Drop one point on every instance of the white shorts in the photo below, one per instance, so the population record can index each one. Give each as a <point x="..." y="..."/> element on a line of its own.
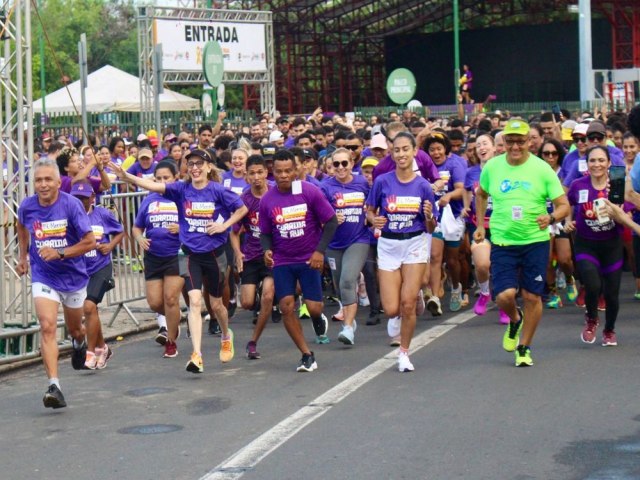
<point x="392" y="254"/>
<point x="68" y="299"/>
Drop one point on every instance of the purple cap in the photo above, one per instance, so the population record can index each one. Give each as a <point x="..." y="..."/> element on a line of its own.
<point x="81" y="189"/>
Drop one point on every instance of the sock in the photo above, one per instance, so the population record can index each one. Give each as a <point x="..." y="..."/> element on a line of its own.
<point x="403" y="351"/>
<point x="76" y="345"/>
<point x="484" y="288"/>
<point x="54" y="381"/>
<point x="162" y="321"/>
<point x="458" y="289"/>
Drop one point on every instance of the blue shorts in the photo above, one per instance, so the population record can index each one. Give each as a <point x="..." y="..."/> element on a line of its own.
<point x="285" y="278"/>
<point x="523" y="266"/>
<point x="447" y="243"/>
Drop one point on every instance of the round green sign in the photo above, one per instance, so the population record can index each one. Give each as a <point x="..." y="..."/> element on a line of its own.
<point x="213" y="63"/>
<point x="401" y="85"/>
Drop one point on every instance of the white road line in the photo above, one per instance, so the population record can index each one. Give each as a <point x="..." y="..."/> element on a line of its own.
<point x="249" y="456"/>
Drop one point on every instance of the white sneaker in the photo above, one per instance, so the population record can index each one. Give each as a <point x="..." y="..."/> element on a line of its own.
<point x="420" y="305"/>
<point x="404" y="364"/>
<point x="346" y="336"/>
<point x="434" y="306"/>
<point x="393" y="326"/>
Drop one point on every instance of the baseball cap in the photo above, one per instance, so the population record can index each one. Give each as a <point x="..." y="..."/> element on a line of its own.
<point x="275" y="136"/>
<point x="581" y="129"/>
<point x="141" y="137"/>
<point x="81" y="189"/>
<point x="170" y="137"/>
<point x="268" y="151"/>
<point x="516" y="127"/>
<point x="145" y="152"/>
<point x="369" y="162"/>
<point x="309" y="153"/>
<point x="597" y="127"/>
<point x="567" y="129"/>
<point x="378" y="141"/>
<point x="46" y="136"/>
<point x="153" y="141"/>
<point x="203" y="154"/>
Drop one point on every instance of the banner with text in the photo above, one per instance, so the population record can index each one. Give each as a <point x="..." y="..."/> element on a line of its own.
<point x="243" y="44"/>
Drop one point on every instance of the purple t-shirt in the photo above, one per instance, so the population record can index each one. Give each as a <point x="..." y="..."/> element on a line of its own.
<point x="581" y="195"/>
<point x="137" y="170"/>
<point x="454" y="169"/>
<point x="233" y="183"/>
<point x="575" y="167"/>
<point x="251" y="247"/>
<point x="199" y="207"/>
<point x="423" y="166"/>
<point x="60" y="225"/>
<point x="103" y="224"/>
<point x="348" y="198"/>
<point x="471" y="184"/>
<point x="155" y="215"/>
<point x="295" y="221"/>
<point x="401" y="202"/>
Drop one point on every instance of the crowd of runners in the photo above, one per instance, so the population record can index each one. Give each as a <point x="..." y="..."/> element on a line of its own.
<point x="315" y="217"/>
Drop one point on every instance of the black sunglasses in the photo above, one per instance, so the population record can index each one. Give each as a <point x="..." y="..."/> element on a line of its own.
<point x="337" y="163"/>
<point x="580" y="139"/>
<point x="549" y="153"/>
<point x="595" y="137"/>
<point x="353" y="148"/>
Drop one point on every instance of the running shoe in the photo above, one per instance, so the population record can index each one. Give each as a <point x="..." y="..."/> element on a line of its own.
<point x="276" y="315"/>
<point x="504" y="318"/>
<point x="636" y="295"/>
<point x="464" y="300"/>
<point x="322" y="340"/>
<point x="374" y="318"/>
<point x="252" y="351"/>
<point x="320" y="325"/>
<point x="395" y="341"/>
<point x="231" y="309"/>
<point x="420" y="304"/>
<point x="103" y="356"/>
<point x="78" y="355"/>
<point x="512" y="334"/>
<point x="480" y="308"/>
<point x="572" y="291"/>
<point x="195" y="365"/>
<point x="214" y="327"/>
<point x="404" y="364"/>
<point x="347" y="335"/>
<point x="170" y="350"/>
<point x="307" y="363"/>
<point x="303" y="311"/>
<point x="53" y="398"/>
<point x="91" y="361"/>
<point x="363" y="301"/>
<point x="523" y="356"/>
<point x="580" y="300"/>
<point x="393" y="326"/>
<point x="455" y="301"/>
<point x="161" y="336"/>
<point x="226" y="347"/>
<point x="588" y="334"/>
<point x="561" y="281"/>
<point x="338" y="317"/>
<point x="609" y="338"/>
<point x="434" y="307"/>
<point x="554" y="301"/>
<point x="602" y="305"/>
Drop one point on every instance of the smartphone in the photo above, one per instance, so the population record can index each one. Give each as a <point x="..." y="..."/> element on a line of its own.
<point x="598" y="204"/>
<point x="616" y="184"/>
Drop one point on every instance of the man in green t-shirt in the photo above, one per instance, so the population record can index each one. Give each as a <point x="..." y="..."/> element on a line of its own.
<point x="519" y="184"/>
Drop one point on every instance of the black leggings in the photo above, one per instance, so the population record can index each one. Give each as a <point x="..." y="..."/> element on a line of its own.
<point x="600" y="267"/>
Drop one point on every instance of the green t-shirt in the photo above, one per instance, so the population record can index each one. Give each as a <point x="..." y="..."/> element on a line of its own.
<point x="519" y="195"/>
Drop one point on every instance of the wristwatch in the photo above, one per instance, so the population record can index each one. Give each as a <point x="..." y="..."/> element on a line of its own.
<point x="552" y="219"/>
<point x="60" y="253"/>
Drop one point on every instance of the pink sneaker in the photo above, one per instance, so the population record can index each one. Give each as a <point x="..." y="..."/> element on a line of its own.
<point x="609" y="338"/>
<point x="504" y="318"/>
<point x="588" y="334"/>
<point x="338" y="317"/>
<point x="480" y="308"/>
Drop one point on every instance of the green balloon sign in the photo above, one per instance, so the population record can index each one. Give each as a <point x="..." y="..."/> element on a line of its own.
<point x="401" y="85"/>
<point x="213" y="63"/>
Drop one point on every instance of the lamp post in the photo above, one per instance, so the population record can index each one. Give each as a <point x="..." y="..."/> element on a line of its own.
<point x="456" y="49"/>
<point x="586" y="60"/>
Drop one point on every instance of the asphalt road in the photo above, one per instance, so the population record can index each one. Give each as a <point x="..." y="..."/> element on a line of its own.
<point x="466" y="412"/>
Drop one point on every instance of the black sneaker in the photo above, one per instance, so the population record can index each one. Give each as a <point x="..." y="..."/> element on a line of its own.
<point x="307" y="363"/>
<point x="374" y="318"/>
<point x="53" y="398"/>
<point x="214" y="327"/>
<point x="162" y="336"/>
<point x="78" y="356"/>
<point x="320" y="325"/>
<point x="231" y="309"/>
<point x="276" y="315"/>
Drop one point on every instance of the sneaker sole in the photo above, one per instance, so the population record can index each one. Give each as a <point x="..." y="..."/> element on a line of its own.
<point x="193" y="368"/>
<point x="344" y="339"/>
<point x="610" y="344"/>
<point x="587" y="341"/>
<point x="302" y="368"/>
<point x="434" y="309"/>
<point x="161" y="340"/>
<point x="169" y="356"/>
<point x="253" y="356"/>
<point x="50" y="401"/>
<point x="524" y="364"/>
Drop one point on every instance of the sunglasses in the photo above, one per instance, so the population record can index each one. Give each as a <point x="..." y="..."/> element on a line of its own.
<point x="512" y="141"/>
<point x="580" y="139"/>
<point x="353" y="148"/>
<point x="550" y="153"/>
<point x="595" y="137"/>
<point x="199" y="164"/>
<point x="343" y="163"/>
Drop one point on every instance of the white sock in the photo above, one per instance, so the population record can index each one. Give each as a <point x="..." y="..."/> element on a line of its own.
<point x="459" y="289"/>
<point x="162" y="321"/>
<point x="76" y="345"/>
<point x="54" y="381"/>
<point x="484" y="288"/>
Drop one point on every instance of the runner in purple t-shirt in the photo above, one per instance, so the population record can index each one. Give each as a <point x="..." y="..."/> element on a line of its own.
<point x="206" y="211"/>
<point x="144" y="166"/>
<point x="54" y="232"/>
<point x="249" y="257"/>
<point x="72" y="171"/>
<point x="108" y="233"/>
<point x="156" y="231"/>
<point x="400" y="205"/>
<point x="349" y="247"/>
<point x="235" y="179"/>
<point x="297" y="223"/>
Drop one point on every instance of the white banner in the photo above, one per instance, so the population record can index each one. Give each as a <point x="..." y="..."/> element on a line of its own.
<point x="243" y="44"/>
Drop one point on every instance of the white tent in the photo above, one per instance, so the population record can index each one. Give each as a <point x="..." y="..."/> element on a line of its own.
<point x="110" y="90"/>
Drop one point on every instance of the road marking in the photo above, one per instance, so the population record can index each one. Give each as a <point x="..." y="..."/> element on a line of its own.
<point x="253" y="453"/>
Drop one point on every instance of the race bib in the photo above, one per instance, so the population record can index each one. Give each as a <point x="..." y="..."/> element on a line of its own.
<point x="583" y="196"/>
<point x="516" y="213"/>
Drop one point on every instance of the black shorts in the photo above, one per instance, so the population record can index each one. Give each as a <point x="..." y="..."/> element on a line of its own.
<point x="99" y="284"/>
<point x="231" y="258"/>
<point x="254" y="272"/>
<point x="156" y="268"/>
<point x="212" y="266"/>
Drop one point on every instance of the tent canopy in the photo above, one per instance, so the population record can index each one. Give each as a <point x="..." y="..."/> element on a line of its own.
<point x="110" y="90"/>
